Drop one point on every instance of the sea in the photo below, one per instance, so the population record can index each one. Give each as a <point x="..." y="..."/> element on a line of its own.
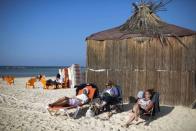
<point x="29" y="71"/>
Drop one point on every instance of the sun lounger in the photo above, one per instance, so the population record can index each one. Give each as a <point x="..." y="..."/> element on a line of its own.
<point x="78" y="108"/>
<point x="65" y="84"/>
<point x="31" y="83"/>
<point x="9" y="79"/>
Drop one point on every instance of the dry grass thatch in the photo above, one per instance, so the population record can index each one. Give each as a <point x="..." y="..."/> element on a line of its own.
<point x="144" y="18"/>
<point x="144" y="22"/>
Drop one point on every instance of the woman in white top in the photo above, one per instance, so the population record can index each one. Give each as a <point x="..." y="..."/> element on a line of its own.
<point x="143" y="105"/>
<point x="74" y="101"/>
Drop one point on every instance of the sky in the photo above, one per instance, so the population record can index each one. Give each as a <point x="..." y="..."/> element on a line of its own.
<point x="53" y="32"/>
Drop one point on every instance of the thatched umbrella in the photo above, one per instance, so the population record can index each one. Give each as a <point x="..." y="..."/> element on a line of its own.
<point x="143" y="22"/>
<point x="146" y="52"/>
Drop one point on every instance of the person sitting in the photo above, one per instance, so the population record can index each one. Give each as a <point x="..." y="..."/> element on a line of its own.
<point x="74" y="101"/>
<point x="59" y="79"/>
<point x="109" y="95"/>
<point x="143" y="105"/>
<point x="40" y="76"/>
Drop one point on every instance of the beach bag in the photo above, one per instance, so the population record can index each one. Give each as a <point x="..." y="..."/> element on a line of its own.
<point x="90" y="112"/>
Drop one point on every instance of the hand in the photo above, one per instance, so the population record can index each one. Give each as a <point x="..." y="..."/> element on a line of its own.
<point x="139" y="102"/>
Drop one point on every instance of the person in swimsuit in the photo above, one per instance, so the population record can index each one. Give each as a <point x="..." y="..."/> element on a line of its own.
<point x="143" y="105"/>
<point x="74" y="101"/>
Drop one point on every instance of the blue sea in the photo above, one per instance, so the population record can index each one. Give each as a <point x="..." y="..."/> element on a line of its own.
<point x="29" y="71"/>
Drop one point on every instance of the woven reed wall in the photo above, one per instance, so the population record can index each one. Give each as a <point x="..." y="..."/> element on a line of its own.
<point x="141" y="63"/>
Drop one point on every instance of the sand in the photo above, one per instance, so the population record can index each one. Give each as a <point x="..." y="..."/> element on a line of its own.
<point x="25" y="109"/>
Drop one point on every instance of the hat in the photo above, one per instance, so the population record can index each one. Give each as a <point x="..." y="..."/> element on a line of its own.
<point x="109" y="83"/>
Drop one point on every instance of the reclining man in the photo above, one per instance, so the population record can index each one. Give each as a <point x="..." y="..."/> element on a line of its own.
<point x="109" y="95"/>
<point x="74" y="101"/>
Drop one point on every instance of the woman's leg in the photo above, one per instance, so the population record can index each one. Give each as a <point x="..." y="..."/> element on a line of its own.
<point x="63" y="103"/>
<point x="60" y="101"/>
<point x="136" y="109"/>
<point x="131" y="118"/>
<point x="133" y="114"/>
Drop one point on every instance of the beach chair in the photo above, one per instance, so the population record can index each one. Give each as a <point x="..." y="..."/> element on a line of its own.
<point x="9" y="80"/>
<point x="49" y="84"/>
<point x="118" y="102"/>
<point x="3" y="78"/>
<point x="78" y="108"/>
<point x="31" y="83"/>
<point x="156" y="107"/>
<point x="65" y="84"/>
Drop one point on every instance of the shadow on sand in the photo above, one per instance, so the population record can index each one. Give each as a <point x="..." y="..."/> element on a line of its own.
<point x="81" y="113"/>
<point x="164" y="110"/>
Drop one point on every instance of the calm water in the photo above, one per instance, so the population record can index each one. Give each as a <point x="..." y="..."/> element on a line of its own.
<point x="28" y="71"/>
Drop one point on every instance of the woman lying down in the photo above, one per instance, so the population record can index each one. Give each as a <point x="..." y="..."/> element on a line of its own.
<point x="74" y="101"/>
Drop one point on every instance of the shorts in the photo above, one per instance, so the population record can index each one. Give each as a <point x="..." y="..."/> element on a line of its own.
<point x="74" y="102"/>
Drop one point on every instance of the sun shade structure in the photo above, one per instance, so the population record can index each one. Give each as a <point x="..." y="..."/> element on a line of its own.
<point x="145" y="52"/>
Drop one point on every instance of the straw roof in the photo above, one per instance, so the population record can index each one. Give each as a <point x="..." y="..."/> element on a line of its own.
<point x="143" y="23"/>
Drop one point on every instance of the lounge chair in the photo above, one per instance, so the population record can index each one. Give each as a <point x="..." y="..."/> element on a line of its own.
<point x="31" y="82"/>
<point x="50" y="84"/>
<point x="9" y="79"/>
<point x="156" y="107"/>
<point x="117" y="103"/>
<point x="78" y="107"/>
<point x="65" y="84"/>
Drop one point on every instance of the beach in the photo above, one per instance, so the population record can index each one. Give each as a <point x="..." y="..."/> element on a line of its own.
<point x="25" y="109"/>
